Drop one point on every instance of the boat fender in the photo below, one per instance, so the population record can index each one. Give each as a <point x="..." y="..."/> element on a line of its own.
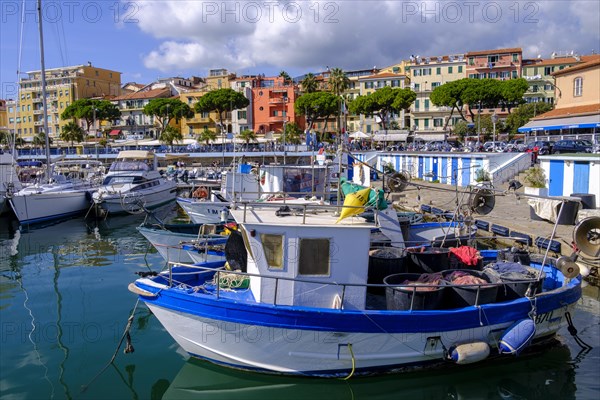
<point x="468" y="353"/>
<point x="517" y="337"/>
<point x="584" y="270"/>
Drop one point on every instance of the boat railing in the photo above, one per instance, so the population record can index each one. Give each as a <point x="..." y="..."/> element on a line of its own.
<point x="303" y="209"/>
<point x="407" y="287"/>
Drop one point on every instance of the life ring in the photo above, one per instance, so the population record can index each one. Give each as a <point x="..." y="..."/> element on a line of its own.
<point x="200" y="193"/>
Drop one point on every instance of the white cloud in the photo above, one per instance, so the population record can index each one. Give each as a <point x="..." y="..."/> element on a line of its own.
<point x="294" y="35"/>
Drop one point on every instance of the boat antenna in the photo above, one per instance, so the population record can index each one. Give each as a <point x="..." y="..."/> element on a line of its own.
<point x="44" y="98"/>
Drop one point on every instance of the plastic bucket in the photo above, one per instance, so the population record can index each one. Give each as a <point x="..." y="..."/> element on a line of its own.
<point x="470" y="295"/>
<point x="428" y="259"/>
<point x="382" y="263"/>
<point x="410" y="297"/>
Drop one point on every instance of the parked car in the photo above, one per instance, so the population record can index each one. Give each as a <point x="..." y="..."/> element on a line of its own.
<point x="497" y="146"/>
<point x="544" y="147"/>
<point x="516" y="145"/>
<point x="571" y="146"/>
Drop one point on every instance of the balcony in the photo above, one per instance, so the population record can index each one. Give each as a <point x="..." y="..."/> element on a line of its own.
<point x="37" y="99"/>
<point x="277" y="100"/>
<point x="278" y="118"/>
<point x="38" y="123"/>
<point x="37" y="112"/>
<point x="198" y="120"/>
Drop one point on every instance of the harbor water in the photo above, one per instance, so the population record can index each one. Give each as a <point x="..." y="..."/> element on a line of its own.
<point x="64" y="306"/>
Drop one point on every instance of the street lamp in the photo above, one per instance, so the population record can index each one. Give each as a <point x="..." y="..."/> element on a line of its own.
<point x="478" y="123"/>
<point x="494" y="120"/>
<point x="284" y="149"/>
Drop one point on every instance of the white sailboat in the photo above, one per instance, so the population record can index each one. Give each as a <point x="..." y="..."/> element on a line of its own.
<point x="9" y="180"/>
<point x="61" y="195"/>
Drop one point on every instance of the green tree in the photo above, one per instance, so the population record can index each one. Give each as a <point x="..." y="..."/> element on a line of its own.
<point x="207" y="136"/>
<point x="450" y="94"/>
<point x="90" y="110"/>
<point x="287" y="79"/>
<point x="221" y="101"/>
<point x="170" y="135"/>
<point x="165" y="110"/>
<point x="309" y="83"/>
<point x="338" y="84"/>
<point x="316" y="105"/>
<point x="522" y="114"/>
<point x="511" y="93"/>
<point x="39" y="140"/>
<point x="72" y="132"/>
<point x="248" y="136"/>
<point x="293" y="134"/>
<point x="383" y="102"/>
<point x="461" y="129"/>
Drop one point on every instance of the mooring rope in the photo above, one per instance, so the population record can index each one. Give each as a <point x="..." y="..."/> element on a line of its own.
<point x="573" y="331"/>
<point x="353" y="362"/>
<point x="128" y="349"/>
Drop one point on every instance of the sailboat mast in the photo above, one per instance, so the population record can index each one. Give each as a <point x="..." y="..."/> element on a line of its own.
<point x="44" y="98"/>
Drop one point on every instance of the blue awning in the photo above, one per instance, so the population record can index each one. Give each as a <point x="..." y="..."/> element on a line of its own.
<point x="556" y="124"/>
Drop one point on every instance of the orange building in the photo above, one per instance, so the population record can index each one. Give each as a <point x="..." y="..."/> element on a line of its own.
<point x="273" y="104"/>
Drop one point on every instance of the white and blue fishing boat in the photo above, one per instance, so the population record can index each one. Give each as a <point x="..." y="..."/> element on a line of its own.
<point x="300" y="304"/>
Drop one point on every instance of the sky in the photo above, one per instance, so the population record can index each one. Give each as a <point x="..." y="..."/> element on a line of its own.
<point x="145" y="40"/>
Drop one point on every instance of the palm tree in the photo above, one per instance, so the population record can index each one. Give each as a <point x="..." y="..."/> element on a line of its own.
<point x="286" y="77"/>
<point x="309" y="83"/>
<point x="248" y="136"/>
<point x="170" y="135"/>
<point x="338" y="83"/>
<point x="206" y="136"/>
<point x="72" y="132"/>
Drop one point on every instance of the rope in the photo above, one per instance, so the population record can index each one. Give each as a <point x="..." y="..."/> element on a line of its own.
<point x="573" y="331"/>
<point x="128" y="349"/>
<point x="353" y="363"/>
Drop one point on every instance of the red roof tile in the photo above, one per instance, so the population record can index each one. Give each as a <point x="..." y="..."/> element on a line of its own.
<point x="570" y="111"/>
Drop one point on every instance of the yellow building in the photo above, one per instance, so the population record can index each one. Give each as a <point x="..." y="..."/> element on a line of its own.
<point x="63" y="86"/>
<point x="3" y="117"/>
<point x="192" y="127"/>
<point x="428" y="121"/>
<point x="577" y="112"/>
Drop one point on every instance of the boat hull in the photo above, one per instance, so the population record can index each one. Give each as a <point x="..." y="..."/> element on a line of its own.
<point x="332" y="342"/>
<point x="203" y="212"/>
<point x="152" y="198"/>
<point x="33" y="208"/>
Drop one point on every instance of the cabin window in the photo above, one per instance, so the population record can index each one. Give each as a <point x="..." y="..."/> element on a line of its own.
<point x="314" y="257"/>
<point x="273" y="249"/>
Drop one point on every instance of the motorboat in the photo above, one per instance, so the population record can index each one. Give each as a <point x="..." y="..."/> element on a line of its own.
<point x="301" y="304"/>
<point x="133" y="184"/>
<point x="67" y="193"/>
<point x="184" y="247"/>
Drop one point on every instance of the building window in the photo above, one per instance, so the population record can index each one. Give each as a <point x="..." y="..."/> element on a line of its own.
<point x="273" y="248"/>
<point x="515" y="57"/>
<point x="314" y="257"/>
<point x="417" y="87"/>
<point x="514" y="74"/>
<point x="471" y="60"/>
<point x="241" y="115"/>
<point x="416" y="105"/>
<point x="435" y="84"/>
<point x="426" y="104"/>
<point x="426" y="123"/>
<point x="438" y="122"/>
<point x="493" y="59"/>
<point x="449" y="70"/>
<point x="577" y="86"/>
<point x="438" y="70"/>
<point x="460" y="69"/>
<point x="416" y="124"/>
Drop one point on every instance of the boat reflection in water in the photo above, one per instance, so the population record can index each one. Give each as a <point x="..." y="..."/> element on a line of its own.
<point x="535" y="376"/>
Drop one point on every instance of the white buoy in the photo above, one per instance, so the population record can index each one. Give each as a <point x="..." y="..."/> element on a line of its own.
<point x="468" y="353"/>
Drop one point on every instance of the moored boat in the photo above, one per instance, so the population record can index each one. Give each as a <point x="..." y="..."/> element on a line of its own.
<point x="133" y="184"/>
<point x="303" y="304"/>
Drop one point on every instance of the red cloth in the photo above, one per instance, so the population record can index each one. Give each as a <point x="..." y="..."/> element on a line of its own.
<point x="467" y="255"/>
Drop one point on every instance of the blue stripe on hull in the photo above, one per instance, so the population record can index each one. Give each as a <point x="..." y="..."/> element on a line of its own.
<point x="288" y="317"/>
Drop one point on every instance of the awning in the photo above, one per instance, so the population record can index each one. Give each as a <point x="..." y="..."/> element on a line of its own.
<point x="390" y="137"/>
<point x="555" y="124"/>
<point x="115" y="132"/>
<point x="431" y="137"/>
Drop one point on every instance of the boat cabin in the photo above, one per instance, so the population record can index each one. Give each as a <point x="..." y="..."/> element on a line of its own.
<point x="291" y="254"/>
